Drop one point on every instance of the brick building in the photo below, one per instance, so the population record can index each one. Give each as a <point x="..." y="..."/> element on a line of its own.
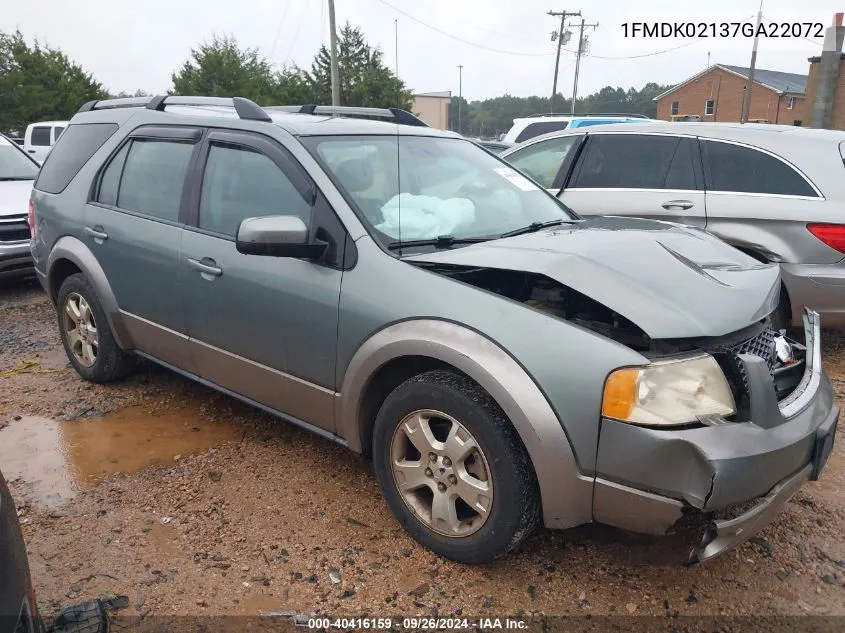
<point x="716" y="94"/>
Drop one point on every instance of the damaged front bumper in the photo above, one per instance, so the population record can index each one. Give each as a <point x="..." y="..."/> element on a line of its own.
<point x="648" y="479"/>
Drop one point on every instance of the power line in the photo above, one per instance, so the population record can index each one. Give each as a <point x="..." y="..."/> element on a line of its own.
<point x="460" y="39"/>
<point x="652" y="54"/>
<point x="492" y="32"/>
<point x="295" y="35"/>
<point x="279" y="30"/>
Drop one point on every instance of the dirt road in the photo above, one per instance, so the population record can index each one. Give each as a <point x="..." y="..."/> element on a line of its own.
<point x="189" y="502"/>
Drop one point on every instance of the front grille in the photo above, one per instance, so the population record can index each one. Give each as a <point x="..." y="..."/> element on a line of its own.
<point x="761" y="344"/>
<point x="14" y="228"/>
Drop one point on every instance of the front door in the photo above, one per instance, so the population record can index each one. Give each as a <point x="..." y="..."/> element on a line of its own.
<point x="134" y="228"/>
<point x="262" y="327"/>
<point x="655" y="176"/>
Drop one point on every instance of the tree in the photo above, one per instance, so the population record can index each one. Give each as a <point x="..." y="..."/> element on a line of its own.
<point x="221" y="69"/>
<point x="123" y="94"/>
<point x="291" y="87"/>
<point x="39" y="83"/>
<point x="364" y="78"/>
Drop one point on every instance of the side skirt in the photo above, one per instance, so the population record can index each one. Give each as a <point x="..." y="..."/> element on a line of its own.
<point x="279" y="414"/>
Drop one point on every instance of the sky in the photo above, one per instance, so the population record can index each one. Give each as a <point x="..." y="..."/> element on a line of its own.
<point x="504" y="46"/>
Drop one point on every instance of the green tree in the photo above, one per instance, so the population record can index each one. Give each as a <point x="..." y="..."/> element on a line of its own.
<point x="123" y="94"/>
<point x="220" y="68"/>
<point x="365" y="80"/>
<point x="291" y="87"/>
<point x="39" y="83"/>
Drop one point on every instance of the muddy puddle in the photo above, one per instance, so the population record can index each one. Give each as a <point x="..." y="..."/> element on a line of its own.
<point x="55" y="459"/>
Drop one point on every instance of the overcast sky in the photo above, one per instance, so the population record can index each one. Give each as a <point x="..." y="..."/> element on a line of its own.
<point x="506" y="48"/>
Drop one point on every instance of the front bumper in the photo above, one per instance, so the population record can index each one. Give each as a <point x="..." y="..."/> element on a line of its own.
<point x="15" y="259"/>
<point x="647" y="479"/>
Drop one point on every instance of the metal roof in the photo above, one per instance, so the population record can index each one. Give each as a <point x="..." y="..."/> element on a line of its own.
<point x="773" y="79"/>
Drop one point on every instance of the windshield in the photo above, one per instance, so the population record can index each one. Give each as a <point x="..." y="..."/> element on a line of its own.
<point x="14" y="164"/>
<point x="411" y="188"/>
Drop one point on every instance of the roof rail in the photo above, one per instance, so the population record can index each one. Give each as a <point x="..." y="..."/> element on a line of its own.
<point x="402" y="117"/>
<point x="582" y="114"/>
<point x="244" y="108"/>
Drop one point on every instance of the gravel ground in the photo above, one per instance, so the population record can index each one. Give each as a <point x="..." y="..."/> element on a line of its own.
<point x="273" y="518"/>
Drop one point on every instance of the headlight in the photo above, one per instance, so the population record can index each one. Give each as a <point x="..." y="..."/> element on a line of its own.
<point x="667" y="393"/>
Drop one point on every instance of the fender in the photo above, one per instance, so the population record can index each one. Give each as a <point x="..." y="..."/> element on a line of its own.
<point x="566" y="494"/>
<point x="74" y="250"/>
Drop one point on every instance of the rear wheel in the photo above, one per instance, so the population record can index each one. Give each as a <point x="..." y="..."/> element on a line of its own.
<point x="453" y="469"/>
<point x="85" y="333"/>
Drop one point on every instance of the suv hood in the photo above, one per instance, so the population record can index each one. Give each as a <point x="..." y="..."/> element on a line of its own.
<point x="14" y="197"/>
<point x="670" y="280"/>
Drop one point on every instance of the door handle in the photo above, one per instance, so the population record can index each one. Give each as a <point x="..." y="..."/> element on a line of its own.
<point x="30" y="151"/>
<point x="97" y="233"/>
<point x="678" y="204"/>
<point x="206" y="269"/>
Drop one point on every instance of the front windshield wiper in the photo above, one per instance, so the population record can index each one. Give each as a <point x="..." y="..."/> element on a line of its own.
<point x="441" y="241"/>
<point x="8" y="178"/>
<point x="534" y="227"/>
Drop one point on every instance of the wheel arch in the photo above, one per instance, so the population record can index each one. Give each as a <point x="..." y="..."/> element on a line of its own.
<point x="394" y="354"/>
<point x="69" y="256"/>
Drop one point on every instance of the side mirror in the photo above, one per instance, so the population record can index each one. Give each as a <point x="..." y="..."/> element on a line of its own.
<point x="277" y="236"/>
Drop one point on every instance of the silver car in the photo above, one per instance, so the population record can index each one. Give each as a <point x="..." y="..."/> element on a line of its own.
<point x="775" y="192"/>
<point x="401" y="291"/>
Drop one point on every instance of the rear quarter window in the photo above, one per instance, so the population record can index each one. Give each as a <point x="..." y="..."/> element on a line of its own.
<point x="75" y="147"/>
<point x="538" y="129"/>
<point x="740" y="169"/>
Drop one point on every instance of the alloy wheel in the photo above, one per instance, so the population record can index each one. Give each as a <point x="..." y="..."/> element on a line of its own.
<point x="441" y="473"/>
<point x="81" y="329"/>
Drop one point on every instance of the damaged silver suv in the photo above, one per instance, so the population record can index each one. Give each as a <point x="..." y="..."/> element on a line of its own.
<point x="399" y="290"/>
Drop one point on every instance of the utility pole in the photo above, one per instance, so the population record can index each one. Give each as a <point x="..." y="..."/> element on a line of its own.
<point x="335" y="72"/>
<point x="460" y="94"/>
<point x="746" y="101"/>
<point x="578" y="60"/>
<point x="559" y="36"/>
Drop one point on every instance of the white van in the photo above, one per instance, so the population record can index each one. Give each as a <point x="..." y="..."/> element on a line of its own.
<point x="40" y="138"/>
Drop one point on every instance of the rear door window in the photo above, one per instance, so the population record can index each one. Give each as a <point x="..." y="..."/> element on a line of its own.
<point x="739" y="169"/>
<point x="635" y="161"/>
<point x="154" y="176"/>
<point x="77" y="145"/>
<point x="40" y="136"/>
<point x="57" y="132"/>
<point x="542" y="160"/>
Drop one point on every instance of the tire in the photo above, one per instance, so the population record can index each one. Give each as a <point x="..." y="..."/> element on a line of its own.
<point x="97" y="357"/>
<point x="456" y="412"/>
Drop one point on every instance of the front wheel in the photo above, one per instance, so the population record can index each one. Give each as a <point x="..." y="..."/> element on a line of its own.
<point x="453" y="469"/>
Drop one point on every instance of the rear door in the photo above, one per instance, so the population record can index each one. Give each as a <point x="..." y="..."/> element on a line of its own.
<point x="654" y="176"/>
<point x="133" y="226"/>
<point x="758" y="201"/>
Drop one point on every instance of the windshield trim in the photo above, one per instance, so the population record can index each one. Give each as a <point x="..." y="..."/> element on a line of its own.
<point x="311" y="142"/>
